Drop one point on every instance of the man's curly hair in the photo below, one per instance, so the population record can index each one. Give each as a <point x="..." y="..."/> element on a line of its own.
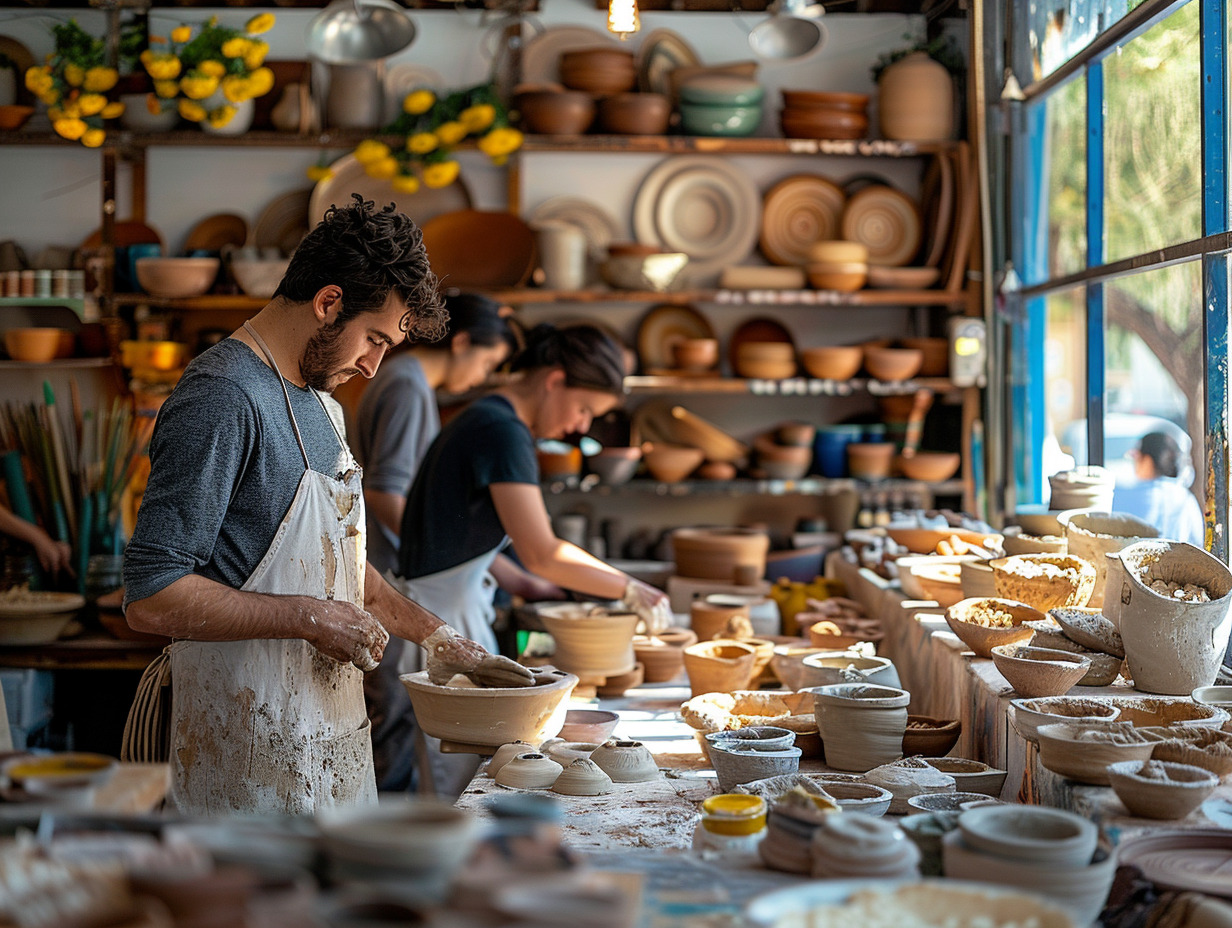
<point x="369" y="254"/>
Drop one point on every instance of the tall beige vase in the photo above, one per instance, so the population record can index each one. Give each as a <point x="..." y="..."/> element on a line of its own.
<point x="915" y="100"/>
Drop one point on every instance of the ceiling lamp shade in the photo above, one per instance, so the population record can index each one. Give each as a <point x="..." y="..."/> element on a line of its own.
<point x="622" y="17"/>
<point x="792" y="31"/>
<point x="355" y="31"/>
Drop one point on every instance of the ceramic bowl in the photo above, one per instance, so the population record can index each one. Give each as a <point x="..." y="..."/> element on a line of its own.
<point x="176" y="278"/>
<point x="13" y="117"/>
<point x="671" y="463"/>
<point x="635" y="113"/>
<point x="838" y="251"/>
<point x="531" y="770"/>
<point x="967" y="620"/>
<point x="892" y="364"/>
<point x="721" y="90"/>
<point x="582" y="777"/>
<point x="870" y="460"/>
<point x="34" y="345"/>
<point x="1045" y="581"/>
<point x="846" y="277"/>
<point x="788" y="664"/>
<point x="1027" y="715"/>
<point x="1067" y="749"/>
<point x="589" y="725"/>
<point x="832" y="362"/>
<point x="825" y="99"/>
<point x="69" y="777"/>
<point x="811" y="123"/>
<point x="657" y="272"/>
<point x="932" y="577"/>
<point x="929" y="737"/>
<point x="695" y="354"/>
<point x="1219" y="696"/>
<point x="929" y="466"/>
<point x="1036" y="672"/>
<point x="556" y="112"/>
<point x="826" y="667"/>
<point x="599" y="80"/>
<point x="1160" y="789"/>
<point x="259" y="277"/>
<point x="412" y="834"/>
<point x="853" y="796"/>
<point x="490" y="716"/>
<point x="737" y="762"/>
<point x="1156" y="711"/>
<point x="615" y="466"/>
<point x="943" y="802"/>
<point x="719" y="119"/>
<point x="626" y="761"/>
<point x="661" y="659"/>
<point x="1030" y="833"/>
<point x="970" y="776"/>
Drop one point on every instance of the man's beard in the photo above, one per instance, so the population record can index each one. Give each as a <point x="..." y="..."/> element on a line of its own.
<point x="318" y="365"/>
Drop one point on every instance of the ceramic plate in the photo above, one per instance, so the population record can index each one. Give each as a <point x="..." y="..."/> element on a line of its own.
<point x="212" y="232"/>
<point x="349" y="177"/>
<point x="401" y="79"/>
<point x="661" y="326"/>
<point x="885" y="220"/>
<point x="31" y="603"/>
<point x="542" y="53"/>
<point x="284" y="221"/>
<point x="597" y="224"/>
<point x="475" y="248"/>
<point x="797" y="212"/>
<point x="1197" y="860"/>
<point x="759" y="329"/>
<point x="22" y="60"/>
<point x="661" y="52"/>
<point x="937" y="197"/>
<point x="701" y="206"/>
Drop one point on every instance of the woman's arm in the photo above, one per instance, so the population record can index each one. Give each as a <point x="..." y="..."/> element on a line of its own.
<point x="53" y="556"/>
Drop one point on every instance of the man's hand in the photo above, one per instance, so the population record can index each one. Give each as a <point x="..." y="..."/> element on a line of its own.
<point x="449" y="654"/>
<point x="651" y="605"/>
<point x="346" y="633"/>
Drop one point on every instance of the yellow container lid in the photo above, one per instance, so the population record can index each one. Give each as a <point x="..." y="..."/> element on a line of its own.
<point x="734" y="814"/>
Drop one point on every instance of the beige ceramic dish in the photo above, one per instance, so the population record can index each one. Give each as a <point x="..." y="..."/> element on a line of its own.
<point x="1027" y="715"/>
<point x="964" y="620"/>
<point x="1044" y="581"/>
<point x="1039" y="671"/>
<point x="1160" y="789"/>
<point x="1152" y="711"/>
<point x="1072" y="751"/>
<point x="970" y="776"/>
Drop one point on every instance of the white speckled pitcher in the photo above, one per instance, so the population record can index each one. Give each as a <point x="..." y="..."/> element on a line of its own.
<point x="1171" y="647"/>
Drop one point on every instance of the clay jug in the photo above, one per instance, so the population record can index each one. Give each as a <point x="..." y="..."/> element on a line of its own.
<point x="1171" y="646"/>
<point x="915" y="100"/>
<point x="295" y="111"/>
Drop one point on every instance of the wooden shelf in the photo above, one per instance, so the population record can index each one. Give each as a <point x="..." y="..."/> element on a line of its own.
<point x="66" y="363"/>
<point x="791" y="386"/>
<point x="806" y="486"/>
<point x="219" y="302"/>
<point x="75" y="304"/>
<point x="810" y="298"/>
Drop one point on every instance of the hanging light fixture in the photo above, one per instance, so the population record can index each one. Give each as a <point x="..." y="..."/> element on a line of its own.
<point x="622" y="18"/>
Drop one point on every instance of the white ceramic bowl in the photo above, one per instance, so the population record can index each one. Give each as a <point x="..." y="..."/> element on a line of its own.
<point x="1218" y="696"/>
<point x="259" y="277"/>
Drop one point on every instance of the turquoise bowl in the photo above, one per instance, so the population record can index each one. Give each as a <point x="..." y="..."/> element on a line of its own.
<point x="721" y="90"/>
<point x="723" y="120"/>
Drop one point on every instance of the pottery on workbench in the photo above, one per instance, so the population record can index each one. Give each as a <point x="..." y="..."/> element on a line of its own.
<point x="566" y="752"/>
<point x="626" y="761"/>
<point x="1104" y="669"/>
<point x="1044" y="581"/>
<point x="662" y="655"/>
<point x="826" y="668"/>
<point x="1084" y="753"/>
<point x="617" y="685"/>
<point x="529" y="771"/>
<point x="1027" y="715"/>
<point x="970" y="776"/>
<point x="591" y="642"/>
<point x="861" y="725"/>
<point x="767" y="737"/>
<point x="707" y="619"/>
<point x="906" y="778"/>
<point x="718" y="666"/>
<point x="1034" y="672"/>
<point x="1160" y="789"/>
<point x="1093" y="535"/>
<point x="583" y="777"/>
<point x="737" y="762"/>
<point x="506" y="753"/>
<point x="860" y="847"/>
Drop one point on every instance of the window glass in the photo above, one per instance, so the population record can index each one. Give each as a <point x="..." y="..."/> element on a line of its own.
<point x="1059" y="29"/>
<point x="1153" y="137"/>
<point x="1059" y="245"/>
<point x="1065" y="379"/>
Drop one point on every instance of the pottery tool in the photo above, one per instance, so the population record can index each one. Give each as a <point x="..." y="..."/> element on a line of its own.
<point x="915" y="421"/>
<point x="52" y="425"/>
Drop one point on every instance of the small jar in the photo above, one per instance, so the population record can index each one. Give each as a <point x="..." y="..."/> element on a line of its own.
<point x="59" y="283"/>
<point x="12" y="283"/>
<point x="731" y="823"/>
<point x="76" y="284"/>
<point x="27" y="283"/>
<point x="42" y="283"/>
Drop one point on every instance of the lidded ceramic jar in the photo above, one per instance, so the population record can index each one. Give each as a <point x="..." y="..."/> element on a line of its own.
<point x="529" y="771"/>
<point x="731" y="821"/>
<point x="915" y="100"/>
<point x="626" y="761"/>
<point x="861" y="725"/>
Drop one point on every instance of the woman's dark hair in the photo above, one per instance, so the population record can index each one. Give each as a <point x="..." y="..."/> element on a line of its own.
<point x="369" y="254"/>
<point x="1163" y="451"/>
<point x="479" y="317"/>
<point x="590" y="358"/>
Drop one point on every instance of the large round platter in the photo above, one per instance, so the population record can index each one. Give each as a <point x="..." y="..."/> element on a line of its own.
<point x="885" y="220"/>
<point x="701" y="206"/>
<point x="664" y="324"/>
<point x="597" y="224"/>
<point x="1190" y="861"/>
<point x="662" y="52"/>
<point x="478" y="248"/>
<point x="284" y="222"/>
<point x="796" y="212"/>
<point x="348" y="177"/>
<point x="541" y="57"/>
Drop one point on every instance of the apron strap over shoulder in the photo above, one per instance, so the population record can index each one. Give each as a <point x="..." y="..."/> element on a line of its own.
<point x="269" y="356"/>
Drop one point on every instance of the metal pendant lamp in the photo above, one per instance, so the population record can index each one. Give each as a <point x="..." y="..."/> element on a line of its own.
<point x="792" y="32"/>
<point x="356" y="31"/>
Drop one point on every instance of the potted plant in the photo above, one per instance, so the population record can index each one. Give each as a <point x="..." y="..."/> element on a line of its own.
<point x="915" y="90"/>
<point x="77" y="85"/>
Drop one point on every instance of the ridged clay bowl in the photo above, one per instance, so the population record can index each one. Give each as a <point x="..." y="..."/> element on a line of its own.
<point x="1030" y="833"/>
<point x="591" y="642"/>
<point x="1160" y="789"/>
<point x="1027" y="715"/>
<point x="929" y="737"/>
<point x="969" y="619"/>
<point x="970" y="776"/>
<point x="594" y="725"/>
<point x="943" y="802"/>
<point x="529" y="771"/>
<point x="1044" y="581"/>
<point x="626" y="761"/>
<point x="583" y="777"/>
<point x="1154" y="711"/>
<point x="414" y="834"/>
<point x="768" y="737"/>
<point x="1034" y="672"/>
<point x="824" y="668"/>
<point x="737" y="762"/>
<point x="1071" y="751"/>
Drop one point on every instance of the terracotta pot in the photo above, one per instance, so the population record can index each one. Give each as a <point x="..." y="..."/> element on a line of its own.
<point x="719" y="666"/>
<point x="716" y="554"/>
<point x="861" y="725"/>
<point x="870" y="460"/>
<point x="832" y="362"/>
<point x="709" y="620"/>
<point x="915" y="100"/>
<point x="626" y="761"/>
<point x="591" y="644"/>
<point x="556" y="112"/>
<point x="635" y="113"/>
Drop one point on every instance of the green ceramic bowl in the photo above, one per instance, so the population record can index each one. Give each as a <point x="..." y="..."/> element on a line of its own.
<point x="722" y="89"/>
<point x="723" y="120"/>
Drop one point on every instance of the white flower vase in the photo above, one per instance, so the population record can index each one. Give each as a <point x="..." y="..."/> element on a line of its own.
<point x="240" y="123"/>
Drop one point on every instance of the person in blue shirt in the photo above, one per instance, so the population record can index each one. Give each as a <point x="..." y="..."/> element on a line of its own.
<point x="1158" y="496"/>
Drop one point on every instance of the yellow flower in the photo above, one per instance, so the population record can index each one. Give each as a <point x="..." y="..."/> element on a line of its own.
<point x="418" y="101"/>
<point x="38" y="80"/>
<point x="166" y="89"/>
<point x="262" y="22"/>
<point x="370" y="151"/>
<point x="91" y="104"/>
<point x="100" y="80"/>
<point x="74" y="74"/>
<point x="421" y="143"/>
<point x="113" y="110"/>
<point x="235" y="88"/>
<point x="405" y="183"/>
<point x="162" y="67"/>
<point x="235" y="48"/>
<point x="50" y="97"/>
<point x="254" y="57"/>
<point x="71" y="109"/>
<point x="196" y="86"/>
<point x="69" y="128"/>
<point x="260" y="82"/>
<point x="441" y="174"/>
<point x="381" y="169"/>
<point x="220" y="116"/>
<point x="181" y="34"/>
<point x="451" y="133"/>
<point x="498" y="160"/>
<point x="212" y="68"/>
<point x="193" y="112"/>
<point x="93" y="138"/>
<point x="477" y="118"/>
<point x="319" y="172"/>
<point x="501" y="141"/>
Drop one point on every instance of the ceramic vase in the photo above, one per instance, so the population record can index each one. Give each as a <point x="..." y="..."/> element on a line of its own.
<point x="1093" y="535"/>
<point x="591" y="644"/>
<point x="529" y="771"/>
<point x="626" y="761"/>
<point x="737" y="762"/>
<point x="583" y="777"/>
<point x="240" y="123"/>
<point x="915" y="100"/>
<point x="506" y="753"/>
<point x="719" y="666"/>
<point x="862" y="847"/>
<point x="1172" y="647"/>
<point x="861" y="725"/>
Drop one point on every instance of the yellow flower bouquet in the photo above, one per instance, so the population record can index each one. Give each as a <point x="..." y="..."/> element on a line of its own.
<point x="208" y="70"/>
<point x="430" y="127"/>
<point x="75" y="84"/>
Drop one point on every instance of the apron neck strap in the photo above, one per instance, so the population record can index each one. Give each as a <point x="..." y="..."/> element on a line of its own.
<point x="269" y="356"/>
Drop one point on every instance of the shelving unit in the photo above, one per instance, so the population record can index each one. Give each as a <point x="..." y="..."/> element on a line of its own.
<point x="807" y="486"/>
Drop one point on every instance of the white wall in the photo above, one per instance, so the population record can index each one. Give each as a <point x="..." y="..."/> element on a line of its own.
<point x="51" y="195"/>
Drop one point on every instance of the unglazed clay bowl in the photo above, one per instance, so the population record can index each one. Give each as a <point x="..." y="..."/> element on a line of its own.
<point x="943" y="802"/>
<point x="930" y="737"/>
<point x="583" y="777"/>
<point x="594" y="725"/>
<point x="1030" y="833"/>
<point x="487" y="717"/>
<point x="1034" y="672"/>
<point x="1068" y="750"/>
<point x="529" y="771"/>
<point x="410" y="833"/>
<point x="1044" y="581"/>
<point x="979" y="622"/>
<point x="826" y="667"/>
<point x="1160" y="789"/>
<point x="626" y="761"/>
<point x="970" y="776"/>
<point x="1027" y="715"/>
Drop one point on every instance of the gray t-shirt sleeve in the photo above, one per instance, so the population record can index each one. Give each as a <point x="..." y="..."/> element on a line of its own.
<point x="202" y="442"/>
<point x="402" y="423"/>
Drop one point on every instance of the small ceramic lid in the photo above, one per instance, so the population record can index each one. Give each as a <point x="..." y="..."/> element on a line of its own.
<point x="722" y="89"/>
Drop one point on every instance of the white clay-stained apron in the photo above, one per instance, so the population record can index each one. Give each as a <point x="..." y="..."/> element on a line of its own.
<point x="275" y="726"/>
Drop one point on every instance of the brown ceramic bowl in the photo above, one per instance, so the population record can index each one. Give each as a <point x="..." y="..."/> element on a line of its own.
<point x="598" y="56"/>
<point x="671" y="463"/>
<point x="558" y="464"/>
<point x="892" y="364"/>
<point x="695" y="354"/>
<point x="762" y="369"/>
<point x="827" y="100"/>
<point x="870" y="460"/>
<point x="635" y="114"/>
<point x="929" y="466"/>
<point x="35" y="345"/>
<point x="13" y="117"/>
<point x="550" y="113"/>
<point x="590" y="725"/>
<point x="639" y="249"/>
<point x="598" y="80"/>
<point x="838" y="251"/>
<point x="843" y="278"/>
<point x="822" y="124"/>
<point x="832" y="362"/>
<point x="965" y="617"/>
<point x="929" y="737"/>
<point x="172" y="278"/>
